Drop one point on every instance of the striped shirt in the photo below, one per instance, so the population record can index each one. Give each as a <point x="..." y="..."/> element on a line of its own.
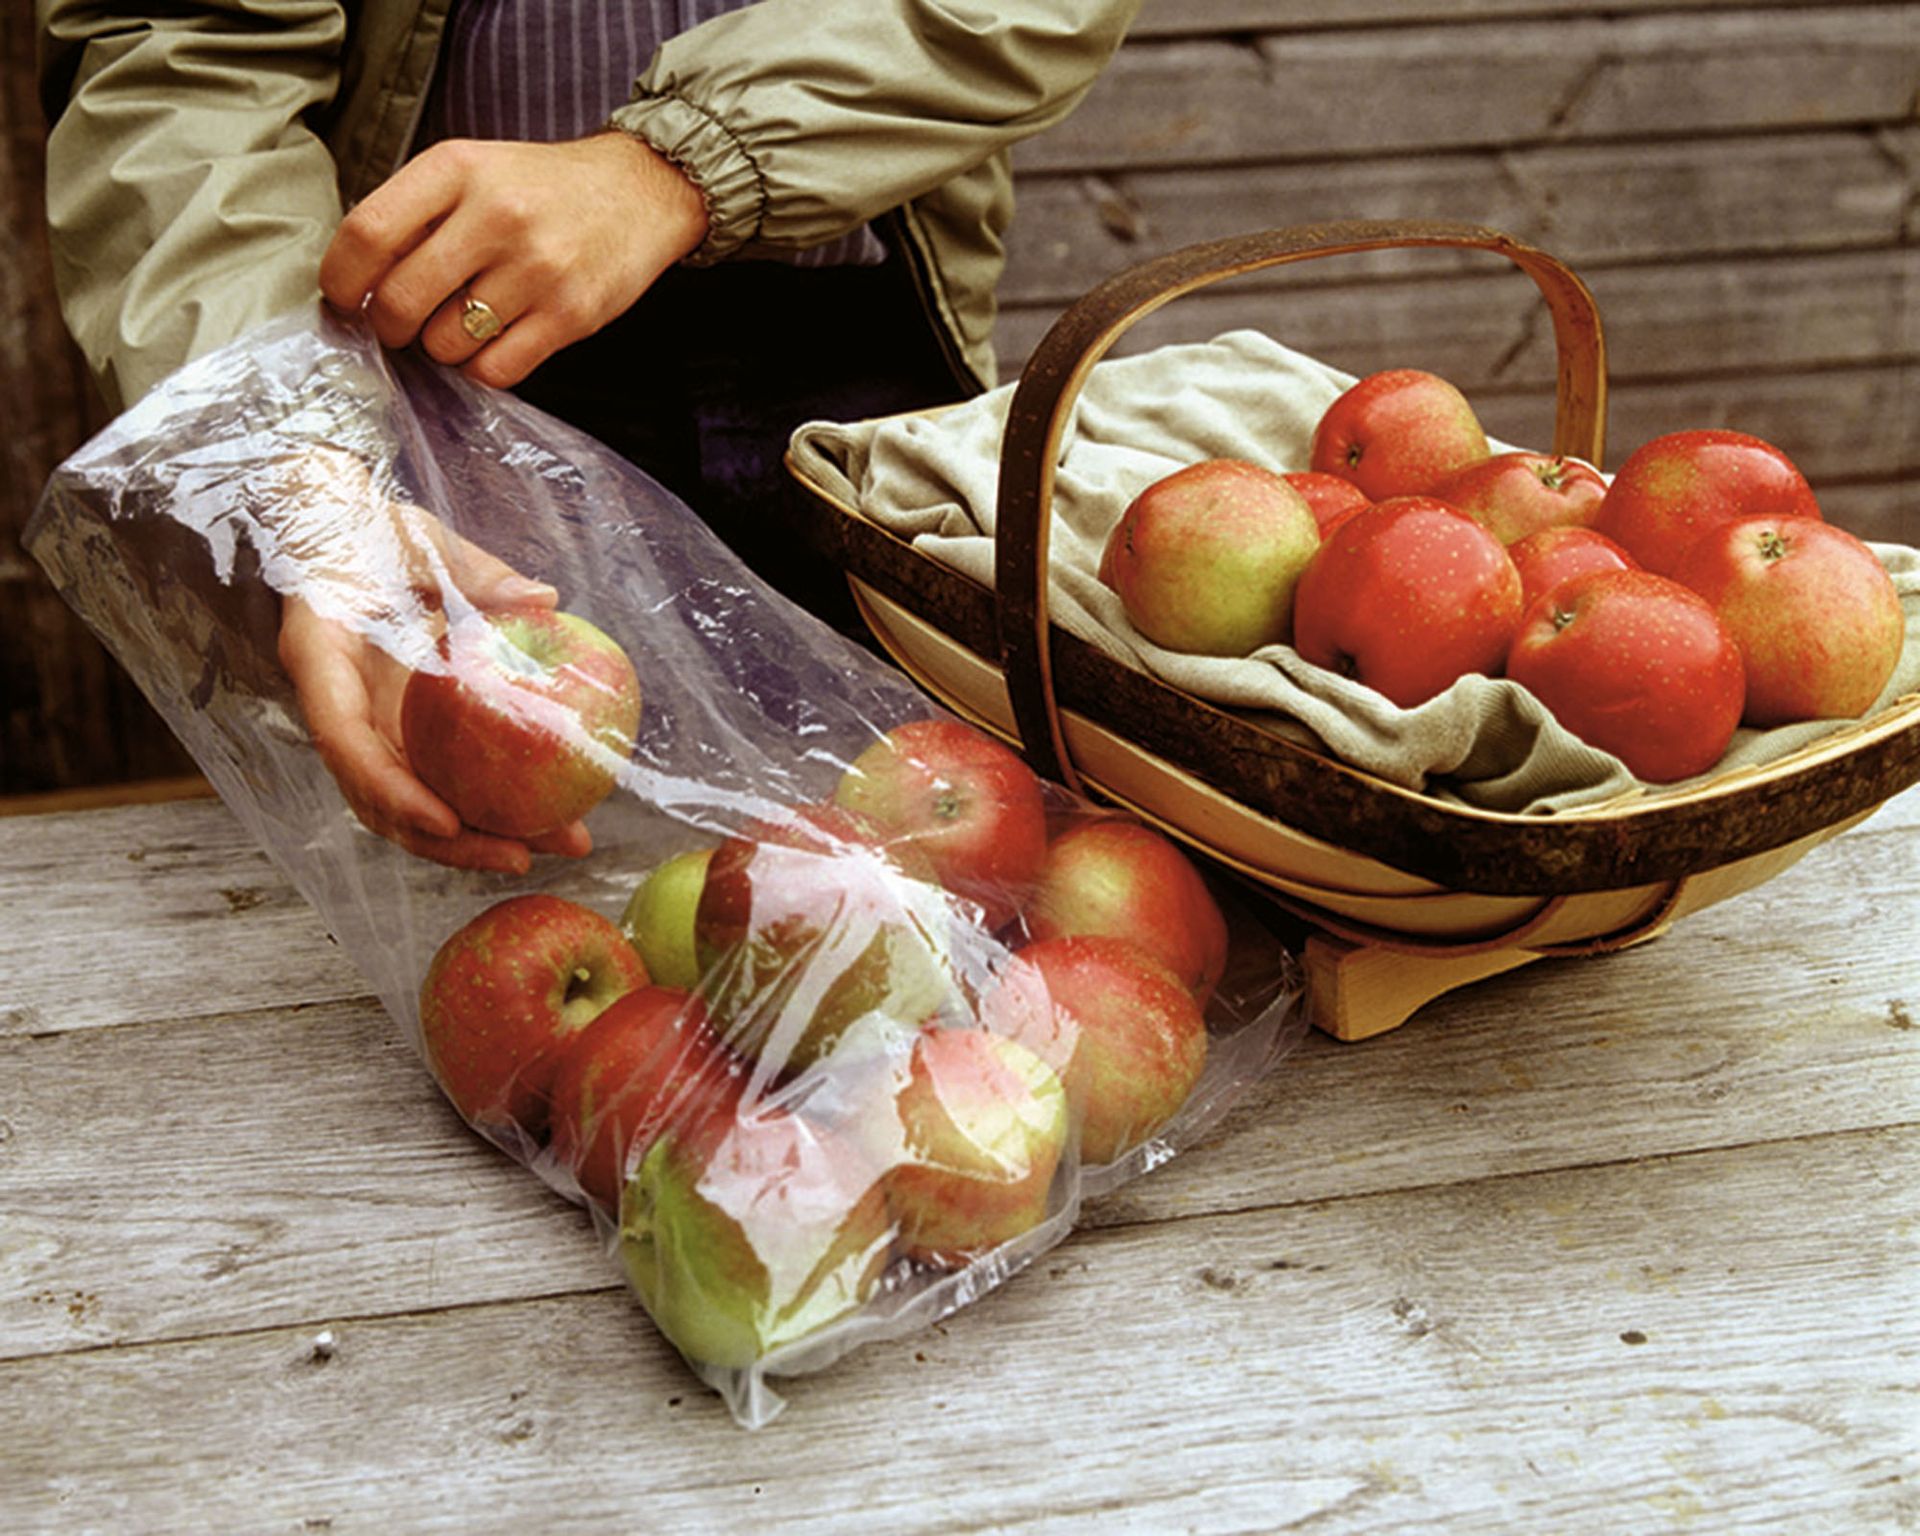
<point x="546" y="70"/>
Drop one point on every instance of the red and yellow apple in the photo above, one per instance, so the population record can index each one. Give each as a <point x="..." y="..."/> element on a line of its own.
<point x="1115" y="878"/>
<point x="1636" y="665"/>
<point x="1125" y="1036"/>
<point x="1814" y="612"/>
<point x="1553" y="555"/>
<point x="1675" y="488"/>
<point x="1407" y="597"/>
<point x="1331" y="499"/>
<point x="1395" y="433"/>
<point x="959" y="797"/>
<point x="1206" y="559"/>
<point x="524" y="724"/>
<point x="1517" y="494"/>
<point x="507" y="993"/>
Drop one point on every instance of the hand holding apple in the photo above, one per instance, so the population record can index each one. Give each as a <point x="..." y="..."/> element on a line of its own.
<point x="526" y="725"/>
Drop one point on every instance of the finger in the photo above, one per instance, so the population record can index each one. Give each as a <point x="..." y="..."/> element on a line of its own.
<point x="391" y="221"/>
<point x="480" y="304"/>
<point x="523" y="347"/>
<point x="572" y="841"/>
<point x="485" y="580"/>
<point x="430" y="277"/>
<point x="466" y="850"/>
<point x="333" y="699"/>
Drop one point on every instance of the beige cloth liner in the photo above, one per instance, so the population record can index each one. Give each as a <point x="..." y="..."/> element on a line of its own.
<point x="1485" y="741"/>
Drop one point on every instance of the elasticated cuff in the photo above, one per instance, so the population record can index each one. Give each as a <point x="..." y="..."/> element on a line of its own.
<point x="713" y="158"/>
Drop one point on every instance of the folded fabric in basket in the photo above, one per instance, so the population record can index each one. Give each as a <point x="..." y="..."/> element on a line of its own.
<point x="1485" y="741"/>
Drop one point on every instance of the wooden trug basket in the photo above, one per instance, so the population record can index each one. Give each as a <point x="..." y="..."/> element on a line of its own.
<point x="1405" y="895"/>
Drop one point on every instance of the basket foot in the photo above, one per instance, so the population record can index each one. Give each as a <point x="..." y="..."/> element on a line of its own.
<point x="1355" y="991"/>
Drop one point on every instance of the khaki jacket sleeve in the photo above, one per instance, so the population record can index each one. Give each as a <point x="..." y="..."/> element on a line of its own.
<point x="188" y="198"/>
<point x="802" y="119"/>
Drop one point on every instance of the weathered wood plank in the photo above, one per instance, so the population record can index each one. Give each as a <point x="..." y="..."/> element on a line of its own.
<point x="1297" y="96"/>
<point x="288" y="1158"/>
<point x="1591" y="205"/>
<point x="1716" y="1335"/>
<point x="100" y="910"/>
<point x="1885" y="510"/>
<point x="1763" y="314"/>
<point x="1195" y="18"/>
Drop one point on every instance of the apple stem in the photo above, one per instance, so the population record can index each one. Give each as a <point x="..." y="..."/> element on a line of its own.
<point x="1772" y="546"/>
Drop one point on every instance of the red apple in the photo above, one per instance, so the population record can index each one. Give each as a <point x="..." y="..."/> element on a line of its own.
<point x="1406" y="597"/>
<point x="1395" y="433"/>
<point x="649" y="1060"/>
<point x="1674" y="489"/>
<point x="1206" y="559"/>
<point x="743" y="1233"/>
<point x="528" y="722"/>
<point x="983" y="1124"/>
<point x="1116" y="878"/>
<point x="962" y="799"/>
<point x="809" y="924"/>
<point x="508" y="992"/>
<point x="1814" y="612"/>
<point x="1636" y="665"/>
<point x="1125" y="1037"/>
<point x="1553" y="555"/>
<point x="1331" y="499"/>
<point x="1517" y="494"/>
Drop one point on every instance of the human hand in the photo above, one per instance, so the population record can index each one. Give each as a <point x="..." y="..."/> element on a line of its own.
<point x="376" y="578"/>
<point x="555" y="239"/>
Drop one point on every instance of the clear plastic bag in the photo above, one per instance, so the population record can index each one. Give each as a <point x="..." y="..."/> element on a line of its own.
<point x="844" y="1014"/>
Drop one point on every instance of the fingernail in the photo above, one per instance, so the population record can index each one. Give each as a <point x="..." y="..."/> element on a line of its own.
<point x="519" y="589"/>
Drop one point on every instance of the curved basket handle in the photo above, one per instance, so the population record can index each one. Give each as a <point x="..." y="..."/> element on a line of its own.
<point x="1058" y="368"/>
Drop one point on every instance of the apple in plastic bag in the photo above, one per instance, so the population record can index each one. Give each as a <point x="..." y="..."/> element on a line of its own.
<point x="808" y="924"/>
<point x="1407" y="597"/>
<point x="1520" y="493"/>
<point x="745" y="1232"/>
<point x="527" y="726"/>
<point x="1636" y="665"/>
<point x="1125" y="1036"/>
<point x="648" y="1060"/>
<point x="960" y="798"/>
<point x="983" y="1125"/>
<point x="1395" y="433"/>
<point x="1113" y="877"/>
<point x="1553" y="555"/>
<point x="505" y="995"/>
<point x="1675" y="488"/>
<point x="1814" y="612"/>
<point x="1205" y="560"/>
<point x="1331" y="499"/>
<point x="659" y="916"/>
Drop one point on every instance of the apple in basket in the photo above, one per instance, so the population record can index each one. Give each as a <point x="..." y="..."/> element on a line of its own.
<point x="960" y="798"/>
<point x="1206" y="559"/>
<point x="526" y="722"/>
<point x="746" y="1230"/>
<point x="1406" y="597"/>
<point x="1517" y="494"/>
<point x="1108" y="876"/>
<point x="1125" y="1036"/>
<point x="1331" y="499"/>
<point x="658" y="920"/>
<point x="1395" y="433"/>
<point x="649" y="1060"/>
<point x="1636" y="665"/>
<point x="1675" y="488"/>
<point x="983" y="1123"/>
<point x="1553" y="555"/>
<point x="808" y="923"/>
<point x="507" y="992"/>
<point x="1814" y="612"/>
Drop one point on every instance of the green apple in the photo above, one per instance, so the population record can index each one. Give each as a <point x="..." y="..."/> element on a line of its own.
<point x="747" y="1231"/>
<point x="658" y="921"/>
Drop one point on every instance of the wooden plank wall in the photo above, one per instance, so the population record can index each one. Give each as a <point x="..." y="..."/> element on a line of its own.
<point x="1735" y="180"/>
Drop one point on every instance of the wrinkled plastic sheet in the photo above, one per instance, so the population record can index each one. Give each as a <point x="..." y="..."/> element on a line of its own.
<point x="855" y="1181"/>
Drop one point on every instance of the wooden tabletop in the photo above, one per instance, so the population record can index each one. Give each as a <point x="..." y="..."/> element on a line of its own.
<point x="1630" y="1243"/>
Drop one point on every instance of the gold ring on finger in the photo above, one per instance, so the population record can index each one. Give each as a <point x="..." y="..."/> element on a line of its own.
<point x="480" y="320"/>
